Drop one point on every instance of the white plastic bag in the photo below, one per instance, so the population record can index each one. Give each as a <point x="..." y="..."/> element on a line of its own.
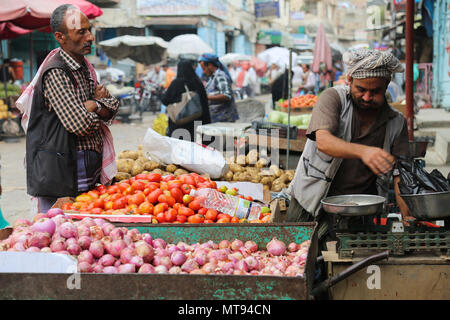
<point x="189" y="155"/>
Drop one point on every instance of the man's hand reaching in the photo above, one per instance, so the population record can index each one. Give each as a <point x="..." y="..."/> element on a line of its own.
<point x="378" y="160"/>
<point x="101" y="92"/>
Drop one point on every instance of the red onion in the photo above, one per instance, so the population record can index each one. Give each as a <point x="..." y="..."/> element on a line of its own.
<point x="147" y="237"/>
<point x="107" y="228"/>
<point x="98" y="268"/>
<point x="251" y="246"/>
<point x="21" y="222"/>
<point x="107" y="260"/>
<point x="39" y="239"/>
<point x="39" y="216"/>
<point x="161" y="252"/>
<point x="201" y="258"/>
<point x="281" y="266"/>
<point x="117" y="263"/>
<point x="99" y="222"/>
<point x="159" y="243"/>
<point x="71" y="241"/>
<point x="276" y="247"/>
<point x="116" y="247"/>
<point x="83" y="230"/>
<point x="162" y="261"/>
<point x="110" y="270"/>
<point x="97" y="249"/>
<point x="127" y="239"/>
<point x="88" y="222"/>
<point x="235" y="256"/>
<point x="86" y="256"/>
<point x="241" y="266"/>
<point x="146" y="268"/>
<point x="96" y="232"/>
<point x="209" y="267"/>
<point x="175" y="270"/>
<point x="171" y="248"/>
<point x="53" y="212"/>
<point x="137" y="261"/>
<point x="239" y="272"/>
<point x="145" y="251"/>
<point x="252" y="263"/>
<point x="161" y="269"/>
<point x="84" y="266"/>
<point x="33" y="249"/>
<point x="68" y="230"/>
<point x="224" y="244"/>
<point x="74" y="249"/>
<point x="134" y="234"/>
<point x="236" y="244"/>
<point x="84" y="242"/>
<point x="126" y="255"/>
<point x="19" y="246"/>
<point x="116" y="234"/>
<point x="197" y="271"/>
<point x="106" y="239"/>
<point x="44" y="225"/>
<point x="210" y="244"/>
<point x="46" y="249"/>
<point x="178" y="258"/>
<point x="293" y="247"/>
<point x="189" y="265"/>
<point x="245" y="252"/>
<point x="127" y="268"/>
<point x="227" y="267"/>
<point x="59" y="220"/>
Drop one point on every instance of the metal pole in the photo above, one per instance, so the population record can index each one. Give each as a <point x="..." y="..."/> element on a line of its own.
<point x="409" y="68"/>
<point x="31" y="56"/>
<point x="289" y="108"/>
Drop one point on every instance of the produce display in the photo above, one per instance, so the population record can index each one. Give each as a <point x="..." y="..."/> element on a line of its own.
<point x="11" y="90"/>
<point x="301" y="121"/>
<point x="254" y="168"/>
<point x="166" y="199"/>
<point x="303" y="101"/>
<point x="4" y="113"/>
<point x="100" y="247"/>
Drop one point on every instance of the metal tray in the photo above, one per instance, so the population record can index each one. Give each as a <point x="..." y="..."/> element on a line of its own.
<point x="354" y="204"/>
<point x="430" y="206"/>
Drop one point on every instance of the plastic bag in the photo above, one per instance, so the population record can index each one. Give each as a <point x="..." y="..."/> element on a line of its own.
<point x="416" y="180"/>
<point x="160" y="124"/>
<point x="189" y="155"/>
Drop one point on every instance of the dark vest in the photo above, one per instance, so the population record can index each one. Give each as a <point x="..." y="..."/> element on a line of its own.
<point x="51" y="154"/>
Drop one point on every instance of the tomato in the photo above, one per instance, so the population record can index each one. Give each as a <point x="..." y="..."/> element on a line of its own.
<point x="138" y="185"/>
<point x="168" y="178"/>
<point x="161" y="217"/>
<point x="243" y="220"/>
<point x="174" y="184"/>
<point x="186" y="211"/>
<point x="163" y="185"/>
<point x="181" y="218"/>
<point x="147" y="191"/>
<point x="211" y="214"/>
<point x="99" y="203"/>
<point x="186" y="188"/>
<point x="154" y="177"/>
<point x="153" y="196"/>
<point x="113" y="189"/>
<point x="120" y="203"/>
<point x="187" y="199"/>
<point x="152" y="186"/>
<point x="225" y="218"/>
<point x="146" y="208"/>
<point x="266" y="219"/>
<point x="101" y="189"/>
<point x="67" y="206"/>
<point x="160" y="207"/>
<point x="83" y="198"/>
<point x="136" y="199"/>
<point x="203" y="211"/>
<point x="195" y="205"/>
<point x="94" y="194"/>
<point x="206" y="184"/>
<point x="234" y="220"/>
<point x="166" y="199"/>
<point x="115" y="196"/>
<point x="109" y="205"/>
<point x="196" y="218"/>
<point x="189" y="180"/>
<point x="141" y="176"/>
<point x="177" y="194"/>
<point x="167" y="193"/>
<point x="123" y="186"/>
<point x="241" y="196"/>
<point x="96" y="211"/>
<point x="249" y="198"/>
<point x="177" y="206"/>
<point x="132" y="180"/>
<point x="170" y="215"/>
<point x="208" y="221"/>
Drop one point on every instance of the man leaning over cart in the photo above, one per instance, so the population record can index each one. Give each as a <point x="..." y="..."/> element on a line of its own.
<point x="354" y="139"/>
<point x="66" y="133"/>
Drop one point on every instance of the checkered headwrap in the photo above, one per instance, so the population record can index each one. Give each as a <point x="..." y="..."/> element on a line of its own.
<point x="365" y="63"/>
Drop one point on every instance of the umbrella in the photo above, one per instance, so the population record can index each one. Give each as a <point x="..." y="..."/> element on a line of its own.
<point x="35" y="14"/>
<point x="229" y="58"/>
<point x="322" y="51"/>
<point x="276" y="55"/>
<point x="10" y="31"/>
<point x="188" y="44"/>
<point x="145" y="50"/>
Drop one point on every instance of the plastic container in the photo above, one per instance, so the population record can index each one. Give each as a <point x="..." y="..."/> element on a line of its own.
<point x="231" y="205"/>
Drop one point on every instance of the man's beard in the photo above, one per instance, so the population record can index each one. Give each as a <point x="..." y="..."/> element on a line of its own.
<point x="363" y="106"/>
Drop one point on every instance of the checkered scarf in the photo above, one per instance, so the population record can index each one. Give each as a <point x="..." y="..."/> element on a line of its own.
<point x="365" y="63"/>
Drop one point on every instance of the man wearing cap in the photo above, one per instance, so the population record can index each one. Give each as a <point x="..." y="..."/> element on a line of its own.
<point x="354" y="138"/>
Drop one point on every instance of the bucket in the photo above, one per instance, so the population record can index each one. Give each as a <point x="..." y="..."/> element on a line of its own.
<point x="17" y="65"/>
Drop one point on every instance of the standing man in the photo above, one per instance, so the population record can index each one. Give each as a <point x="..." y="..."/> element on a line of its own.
<point x="354" y="139"/>
<point x="7" y="73"/>
<point x="65" y="138"/>
<point x="170" y="75"/>
<point x="309" y="80"/>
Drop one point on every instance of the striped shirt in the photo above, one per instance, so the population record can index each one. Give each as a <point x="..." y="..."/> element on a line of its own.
<point x="67" y="100"/>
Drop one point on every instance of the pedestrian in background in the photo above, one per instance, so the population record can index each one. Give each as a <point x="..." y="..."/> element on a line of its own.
<point x="186" y="76"/>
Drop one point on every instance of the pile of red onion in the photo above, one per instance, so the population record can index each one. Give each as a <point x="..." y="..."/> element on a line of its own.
<point x="100" y="247"/>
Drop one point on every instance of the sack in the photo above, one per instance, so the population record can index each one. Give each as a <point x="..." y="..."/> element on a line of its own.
<point x="189" y="155"/>
<point x="160" y="124"/>
<point x="187" y="110"/>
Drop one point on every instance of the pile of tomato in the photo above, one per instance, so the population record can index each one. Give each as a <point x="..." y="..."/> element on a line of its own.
<point x="166" y="199"/>
<point x="303" y="101"/>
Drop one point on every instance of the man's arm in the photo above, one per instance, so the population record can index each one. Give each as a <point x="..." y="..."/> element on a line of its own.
<point x="406" y="213"/>
<point x="378" y="160"/>
<point x="110" y="105"/>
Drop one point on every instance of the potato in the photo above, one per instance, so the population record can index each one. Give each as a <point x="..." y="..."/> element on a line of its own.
<point x="142" y="160"/>
<point x="236" y="168"/>
<point x="171" y="168"/>
<point x="261" y="163"/>
<point x="284" y="178"/>
<point x="137" y="169"/>
<point x="266" y="173"/>
<point x="252" y="157"/>
<point x="228" y="176"/>
<point x="125" y="165"/>
<point x="266" y="187"/>
<point x="122" y="176"/>
<point x="179" y="172"/>
<point x="277" y="187"/>
<point x="151" y="165"/>
<point x="274" y="168"/>
<point x="157" y="170"/>
<point x="252" y="170"/>
<point x="240" y="160"/>
<point x="266" y="181"/>
<point x="231" y="160"/>
<point x="255" y="179"/>
<point x="127" y="154"/>
<point x="290" y="174"/>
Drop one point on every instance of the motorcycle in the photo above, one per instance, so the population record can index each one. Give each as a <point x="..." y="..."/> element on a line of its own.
<point x="147" y="96"/>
